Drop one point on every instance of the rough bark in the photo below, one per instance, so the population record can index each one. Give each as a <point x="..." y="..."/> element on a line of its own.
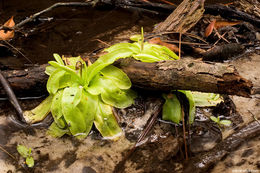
<point x="183" y="74"/>
<point x="27" y="82"/>
<point x="187" y="74"/>
<point x="184" y="17"/>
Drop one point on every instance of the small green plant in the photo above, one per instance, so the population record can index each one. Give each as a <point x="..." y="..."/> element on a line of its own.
<point x="219" y="122"/>
<point x="81" y="95"/>
<point x="27" y="154"/>
<point x="172" y="107"/>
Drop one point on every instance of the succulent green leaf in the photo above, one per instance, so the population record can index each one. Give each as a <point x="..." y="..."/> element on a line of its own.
<point x="65" y="68"/>
<point x="206" y="99"/>
<point x="162" y="51"/>
<point x="53" y="82"/>
<point x="65" y="81"/>
<point x="58" y="58"/>
<point x="106" y="60"/>
<point x="118" y="46"/>
<point x="136" y="37"/>
<point x="56" y="110"/>
<point x="56" y="131"/>
<point x="72" y="114"/>
<point x="106" y="122"/>
<point x="167" y="51"/>
<point x="40" y="112"/>
<point x="50" y="69"/>
<point x="98" y="84"/>
<point x="29" y="161"/>
<point x="172" y="108"/>
<point x="84" y="73"/>
<point x="146" y="58"/>
<point x="225" y="122"/>
<point x="88" y="107"/>
<point x="216" y="120"/>
<point x="119" y="78"/>
<point x="23" y="151"/>
<point x="75" y="120"/>
<point x="72" y="95"/>
<point x="117" y="97"/>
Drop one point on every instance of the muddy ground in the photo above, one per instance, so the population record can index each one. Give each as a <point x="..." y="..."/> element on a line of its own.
<point x="160" y="151"/>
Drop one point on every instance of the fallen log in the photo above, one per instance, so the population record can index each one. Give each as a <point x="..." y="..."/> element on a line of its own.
<point x="186" y="74"/>
<point x="28" y="82"/>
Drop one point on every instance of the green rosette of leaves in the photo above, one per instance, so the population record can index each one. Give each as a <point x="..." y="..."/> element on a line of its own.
<point x="81" y="96"/>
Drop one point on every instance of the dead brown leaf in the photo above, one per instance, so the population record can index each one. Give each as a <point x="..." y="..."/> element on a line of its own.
<point x="6" y="35"/>
<point x="210" y="28"/>
<point x="220" y="24"/>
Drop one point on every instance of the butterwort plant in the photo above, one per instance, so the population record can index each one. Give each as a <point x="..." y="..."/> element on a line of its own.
<point x="81" y="95"/>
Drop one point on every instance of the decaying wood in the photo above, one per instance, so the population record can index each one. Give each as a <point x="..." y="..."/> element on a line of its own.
<point x="187" y="74"/>
<point x="27" y="82"/>
<point x="223" y="52"/>
<point x="184" y="17"/>
<point x="184" y="74"/>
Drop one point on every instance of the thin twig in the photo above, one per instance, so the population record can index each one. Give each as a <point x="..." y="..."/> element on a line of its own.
<point x="11" y="96"/>
<point x="172" y="32"/>
<point x="168" y="2"/>
<point x="17" y="51"/>
<point x="102" y="42"/>
<point x="177" y="137"/>
<point x="220" y="36"/>
<point x="59" y="4"/>
<point x="9" y="154"/>
<point x="184" y="42"/>
<point x="219" y="39"/>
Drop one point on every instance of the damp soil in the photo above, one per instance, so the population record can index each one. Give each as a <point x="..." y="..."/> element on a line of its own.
<point x="75" y="31"/>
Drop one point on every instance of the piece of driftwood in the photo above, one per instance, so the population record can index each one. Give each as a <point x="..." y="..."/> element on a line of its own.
<point x="201" y="163"/>
<point x="184" y="17"/>
<point x="183" y="74"/>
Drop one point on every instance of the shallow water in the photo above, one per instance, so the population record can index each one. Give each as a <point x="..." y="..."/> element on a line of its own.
<point x="70" y="31"/>
<point x="73" y="32"/>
